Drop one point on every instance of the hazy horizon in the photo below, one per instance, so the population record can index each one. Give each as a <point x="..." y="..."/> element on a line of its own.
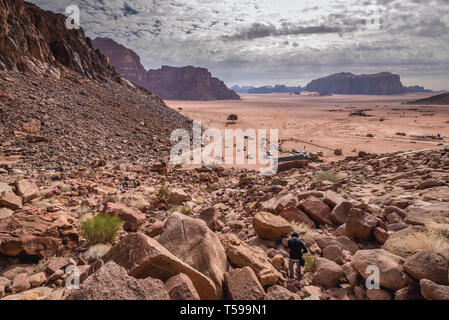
<point x="288" y="42"/>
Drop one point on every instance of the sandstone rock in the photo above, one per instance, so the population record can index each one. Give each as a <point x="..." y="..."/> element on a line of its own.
<point x="271" y="227"/>
<point x="433" y="291"/>
<point x="132" y="217"/>
<point x="4" y="282"/>
<point x="20" y="283"/>
<point x="342" y="241"/>
<point x="391" y="209"/>
<point x="180" y="287"/>
<point x="327" y="273"/>
<point x="333" y="199"/>
<point x="28" y="190"/>
<point x="340" y="213"/>
<point x="428" y="184"/>
<point x="360" y="224"/>
<point x="278" y="203"/>
<point x="2" y="291"/>
<point x="392" y="275"/>
<point x="195" y="244"/>
<point x="40" y="293"/>
<point x="278" y="261"/>
<point x="242" y="284"/>
<point x="10" y="200"/>
<point x="5" y="213"/>
<point x="427" y="265"/>
<point x="408" y="293"/>
<point x="297" y="164"/>
<point x="112" y="282"/>
<point x="211" y="218"/>
<point x="381" y="235"/>
<point x="37" y="279"/>
<point x="178" y="196"/>
<point x="241" y="254"/>
<point x="295" y="215"/>
<point x="36" y="233"/>
<point x="279" y="293"/>
<point x="56" y="265"/>
<point x="317" y="211"/>
<point x="4" y="187"/>
<point x="144" y="257"/>
<point x="378" y="294"/>
<point x="351" y="274"/>
<point x="397" y="241"/>
<point x="334" y="253"/>
<point x="32" y="126"/>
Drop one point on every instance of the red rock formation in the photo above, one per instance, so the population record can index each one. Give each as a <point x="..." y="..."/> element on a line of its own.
<point x="126" y="62"/>
<point x="348" y="83"/>
<point x="188" y="83"/>
<point x="36" y="41"/>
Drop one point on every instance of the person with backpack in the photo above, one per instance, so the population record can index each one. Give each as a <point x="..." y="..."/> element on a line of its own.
<point x="296" y="249"/>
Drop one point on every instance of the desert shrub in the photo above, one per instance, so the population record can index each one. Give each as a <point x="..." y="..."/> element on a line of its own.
<point x="42" y="265"/>
<point x="186" y="211"/>
<point x="140" y="204"/>
<point x="309" y="263"/>
<point x="162" y="192"/>
<point x="103" y="228"/>
<point x="327" y="176"/>
<point x="432" y="238"/>
<point x="305" y="232"/>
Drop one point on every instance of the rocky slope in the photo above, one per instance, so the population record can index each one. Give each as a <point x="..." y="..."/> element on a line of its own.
<point x="440" y="99"/>
<point x="185" y="83"/>
<point x="126" y="62"/>
<point x="347" y="83"/>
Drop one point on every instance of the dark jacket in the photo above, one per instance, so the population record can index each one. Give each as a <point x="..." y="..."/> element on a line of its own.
<point x="297" y="248"/>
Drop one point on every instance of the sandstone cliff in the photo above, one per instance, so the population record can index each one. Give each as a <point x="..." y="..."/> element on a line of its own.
<point x="347" y="83"/>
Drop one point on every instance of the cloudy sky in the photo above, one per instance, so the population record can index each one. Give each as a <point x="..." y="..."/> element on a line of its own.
<point x="264" y="42"/>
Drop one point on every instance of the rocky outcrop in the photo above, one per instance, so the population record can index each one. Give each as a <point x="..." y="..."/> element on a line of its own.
<point x="37" y="41"/>
<point x="347" y="83"/>
<point x="126" y="62"/>
<point x="187" y="83"/>
<point x="440" y="99"/>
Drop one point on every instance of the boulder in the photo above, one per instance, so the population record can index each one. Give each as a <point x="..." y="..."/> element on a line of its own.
<point x="381" y="235"/>
<point x="40" y="293"/>
<point x="10" y="200"/>
<point x="343" y="242"/>
<point x="20" y="283"/>
<point x="317" y="211"/>
<point x="427" y="265"/>
<point x="37" y="233"/>
<point x="111" y="282"/>
<point x="57" y="264"/>
<point x="433" y="291"/>
<point x="144" y="257"/>
<point x="332" y="199"/>
<point x="392" y="275"/>
<point x="293" y="214"/>
<point x="360" y="224"/>
<point x="297" y="164"/>
<point x="37" y="279"/>
<point x="241" y="254"/>
<point x="334" y="253"/>
<point x="5" y="213"/>
<point x="132" y="217"/>
<point x="268" y="226"/>
<point x="180" y="287"/>
<point x="378" y="294"/>
<point x="408" y="293"/>
<point x="279" y="293"/>
<point x="32" y="126"/>
<point x="242" y="284"/>
<point x="210" y="216"/>
<point x="327" y="273"/>
<point x="178" y="196"/>
<point x="5" y="282"/>
<point x="194" y="243"/>
<point x="28" y="190"/>
<point x="281" y="201"/>
<point x="340" y="213"/>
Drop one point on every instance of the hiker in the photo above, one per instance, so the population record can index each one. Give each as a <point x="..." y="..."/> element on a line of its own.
<point x="120" y="186"/>
<point x="296" y="248"/>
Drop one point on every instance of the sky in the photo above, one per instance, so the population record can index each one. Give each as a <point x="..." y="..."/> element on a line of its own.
<point x="267" y="42"/>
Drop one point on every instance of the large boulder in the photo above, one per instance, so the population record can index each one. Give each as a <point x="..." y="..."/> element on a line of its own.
<point x="340" y="213"/>
<point x="281" y="201"/>
<point x="392" y="274"/>
<point x="360" y="224"/>
<point x="37" y="233"/>
<point x="195" y="244"/>
<point x="332" y="199"/>
<point x="132" y="217"/>
<point x="28" y="190"/>
<point x="271" y="227"/>
<point x="241" y="254"/>
<point x="427" y="265"/>
<point x="433" y="291"/>
<point x="178" y="196"/>
<point x="327" y="273"/>
<point x="242" y="284"/>
<point x="144" y="257"/>
<point x="317" y="211"/>
<point x="293" y="214"/>
<point x="111" y="282"/>
<point x="10" y="200"/>
<point x="180" y="287"/>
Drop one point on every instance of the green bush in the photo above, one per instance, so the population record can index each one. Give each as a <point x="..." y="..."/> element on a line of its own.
<point x="103" y="228"/>
<point x="310" y="262"/>
<point x="327" y="176"/>
<point x="163" y="192"/>
<point x="186" y="211"/>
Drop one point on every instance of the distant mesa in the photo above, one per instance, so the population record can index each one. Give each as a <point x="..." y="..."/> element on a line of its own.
<point x="170" y="83"/>
<point x="438" y="99"/>
<point x="384" y="83"/>
<point x="268" y="89"/>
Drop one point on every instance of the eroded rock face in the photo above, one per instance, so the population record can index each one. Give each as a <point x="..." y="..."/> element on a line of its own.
<point x="144" y="257"/>
<point x="111" y="282"/>
<point x="195" y="244"/>
<point x="36" y="233"/>
<point x="41" y="41"/>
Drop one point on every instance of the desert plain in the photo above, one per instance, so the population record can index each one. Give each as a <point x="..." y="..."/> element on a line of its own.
<point x="313" y="123"/>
